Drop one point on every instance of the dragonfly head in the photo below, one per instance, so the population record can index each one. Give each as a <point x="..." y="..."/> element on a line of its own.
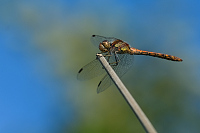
<point x="104" y="46"/>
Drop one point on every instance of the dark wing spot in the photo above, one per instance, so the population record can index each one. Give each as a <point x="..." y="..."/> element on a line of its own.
<point x="80" y="70"/>
<point x="93" y="35"/>
<point x="99" y="84"/>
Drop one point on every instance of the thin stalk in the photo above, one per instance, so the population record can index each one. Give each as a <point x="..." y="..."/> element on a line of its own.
<point x="127" y="96"/>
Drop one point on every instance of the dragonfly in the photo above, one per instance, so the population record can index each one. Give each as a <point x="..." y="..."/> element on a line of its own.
<point x="119" y="55"/>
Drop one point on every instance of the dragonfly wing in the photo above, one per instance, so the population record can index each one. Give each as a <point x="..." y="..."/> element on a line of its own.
<point x="91" y="70"/>
<point x="104" y="83"/>
<point x="96" y="39"/>
<point x="126" y="61"/>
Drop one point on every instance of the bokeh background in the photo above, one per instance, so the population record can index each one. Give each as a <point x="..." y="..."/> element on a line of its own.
<point x="44" y="43"/>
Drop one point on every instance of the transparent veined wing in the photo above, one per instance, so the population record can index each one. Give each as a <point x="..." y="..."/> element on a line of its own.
<point x="96" y="39"/>
<point x="91" y="70"/>
<point x="126" y="61"/>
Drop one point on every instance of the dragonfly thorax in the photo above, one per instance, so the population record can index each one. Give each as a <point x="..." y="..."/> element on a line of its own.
<point x="104" y="46"/>
<point x="122" y="47"/>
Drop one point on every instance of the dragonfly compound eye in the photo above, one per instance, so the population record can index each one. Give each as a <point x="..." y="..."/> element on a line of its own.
<point x="102" y="48"/>
<point x="106" y="44"/>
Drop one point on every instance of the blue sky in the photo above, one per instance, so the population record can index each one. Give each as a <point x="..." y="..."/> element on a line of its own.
<point x="27" y="97"/>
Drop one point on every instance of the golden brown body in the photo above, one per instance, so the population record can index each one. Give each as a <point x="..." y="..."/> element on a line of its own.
<point x="121" y="47"/>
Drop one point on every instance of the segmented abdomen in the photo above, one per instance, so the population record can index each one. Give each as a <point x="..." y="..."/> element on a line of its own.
<point x="154" y="54"/>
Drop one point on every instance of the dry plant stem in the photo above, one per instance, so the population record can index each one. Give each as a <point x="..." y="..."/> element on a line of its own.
<point x="128" y="97"/>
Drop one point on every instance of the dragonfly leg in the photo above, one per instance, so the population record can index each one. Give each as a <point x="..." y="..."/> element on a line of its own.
<point x="117" y="60"/>
<point x="108" y="55"/>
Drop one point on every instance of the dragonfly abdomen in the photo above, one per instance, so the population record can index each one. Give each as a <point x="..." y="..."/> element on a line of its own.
<point x="154" y="54"/>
